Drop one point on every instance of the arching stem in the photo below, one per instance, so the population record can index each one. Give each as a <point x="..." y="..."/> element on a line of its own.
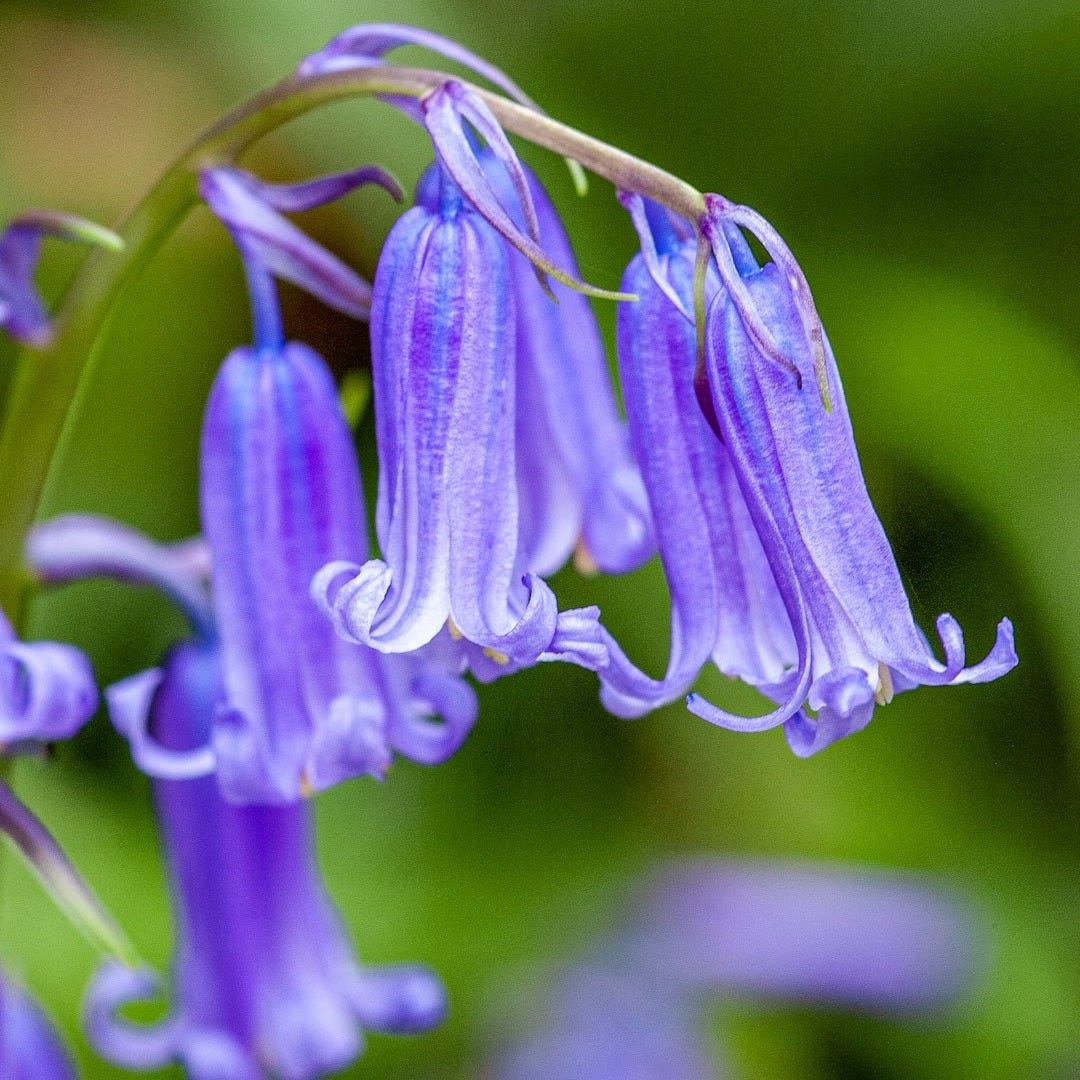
<point x="46" y="382"/>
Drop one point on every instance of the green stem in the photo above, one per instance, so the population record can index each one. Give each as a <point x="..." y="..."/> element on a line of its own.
<point x="46" y="383"/>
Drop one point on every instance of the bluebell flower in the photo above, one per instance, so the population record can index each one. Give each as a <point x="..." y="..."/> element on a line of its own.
<point x="706" y="930"/>
<point x="281" y="496"/>
<point x="29" y="1047"/>
<point x="603" y="1024"/>
<point x="22" y="311"/>
<point x="778" y="567"/>
<point x="301" y="709"/>
<point x="579" y="488"/>
<point x="443" y="337"/>
<point x="263" y="982"/>
<point x="724" y="602"/>
<point x="794" y="456"/>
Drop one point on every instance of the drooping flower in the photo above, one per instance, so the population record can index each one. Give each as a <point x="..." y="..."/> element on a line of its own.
<point x="301" y="709"/>
<point x="724" y="602"/>
<point x="448" y="514"/>
<point x="22" y="311"/>
<point x="579" y="489"/>
<point x="603" y="1024"/>
<point x="281" y="497"/>
<point x="707" y="929"/>
<point x="794" y="456"/>
<point x="264" y="984"/>
<point x="29" y="1047"/>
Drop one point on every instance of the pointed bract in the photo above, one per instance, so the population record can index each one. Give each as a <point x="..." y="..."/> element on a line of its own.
<point x="59" y="876"/>
<point x="22" y="311"/>
<point x="251" y="210"/>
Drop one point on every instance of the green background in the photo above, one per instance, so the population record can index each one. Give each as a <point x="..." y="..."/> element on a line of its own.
<point x="921" y="159"/>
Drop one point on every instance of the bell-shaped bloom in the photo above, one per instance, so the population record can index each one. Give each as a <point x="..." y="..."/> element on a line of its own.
<point x="448" y="514"/>
<point x="281" y="496"/>
<point x="864" y="939"/>
<point x="29" y="1047"/>
<point x="793" y="454"/>
<point x="579" y="488"/>
<point x="724" y="602"/>
<point x="303" y="709"/>
<point x="263" y="981"/>
<point x="22" y="311"/>
<point x="47" y="691"/>
<point x="604" y="1024"/>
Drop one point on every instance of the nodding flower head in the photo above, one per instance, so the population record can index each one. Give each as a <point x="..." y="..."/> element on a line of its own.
<point x="22" y="311"/>
<point x="850" y="634"/>
<point x="448" y="514"/>
<point x="579" y="488"/>
<point x="264" y="983"/>
<point x="300" y="708"/>
<point x="724" y="603"/>
<point x="281" y="496"/>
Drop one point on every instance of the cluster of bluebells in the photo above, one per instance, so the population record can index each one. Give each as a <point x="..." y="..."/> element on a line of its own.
<point x="502" y="456"/>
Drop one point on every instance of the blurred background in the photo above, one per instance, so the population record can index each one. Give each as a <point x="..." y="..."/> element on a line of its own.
<point x="921" y="159"/>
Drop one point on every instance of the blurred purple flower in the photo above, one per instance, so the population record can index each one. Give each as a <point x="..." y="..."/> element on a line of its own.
<point x="605" y="1025"/>
<point x="29" y="1047"/>
<point x="861" y="940"/>
<point x="264" y="984"/>
<point x="448" y="516"/>
<point x="22" y="312"/>
<point x="47" y="691"/>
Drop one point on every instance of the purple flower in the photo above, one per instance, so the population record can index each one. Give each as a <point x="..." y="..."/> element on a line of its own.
<point x="448" y="515"/>
<point x="704" y="929"/>
<point x="579" y="489"/>
<point x="47" y="691"/>
<point x="302" y="709"/>
<point x="605" y="1024"/>
<point x="794" y="457"/>
<point x="281" y="496"/>
<point x="29" y="1047"/>
<point x="22" y="312"/>
<point x="724" y="602"/>
<point x="799" y="931"/>
<point x="263" y="981"/>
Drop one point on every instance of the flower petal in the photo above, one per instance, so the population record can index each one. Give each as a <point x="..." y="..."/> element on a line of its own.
<point x="131" y="1046"/>
<point x="77" y="546"/>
